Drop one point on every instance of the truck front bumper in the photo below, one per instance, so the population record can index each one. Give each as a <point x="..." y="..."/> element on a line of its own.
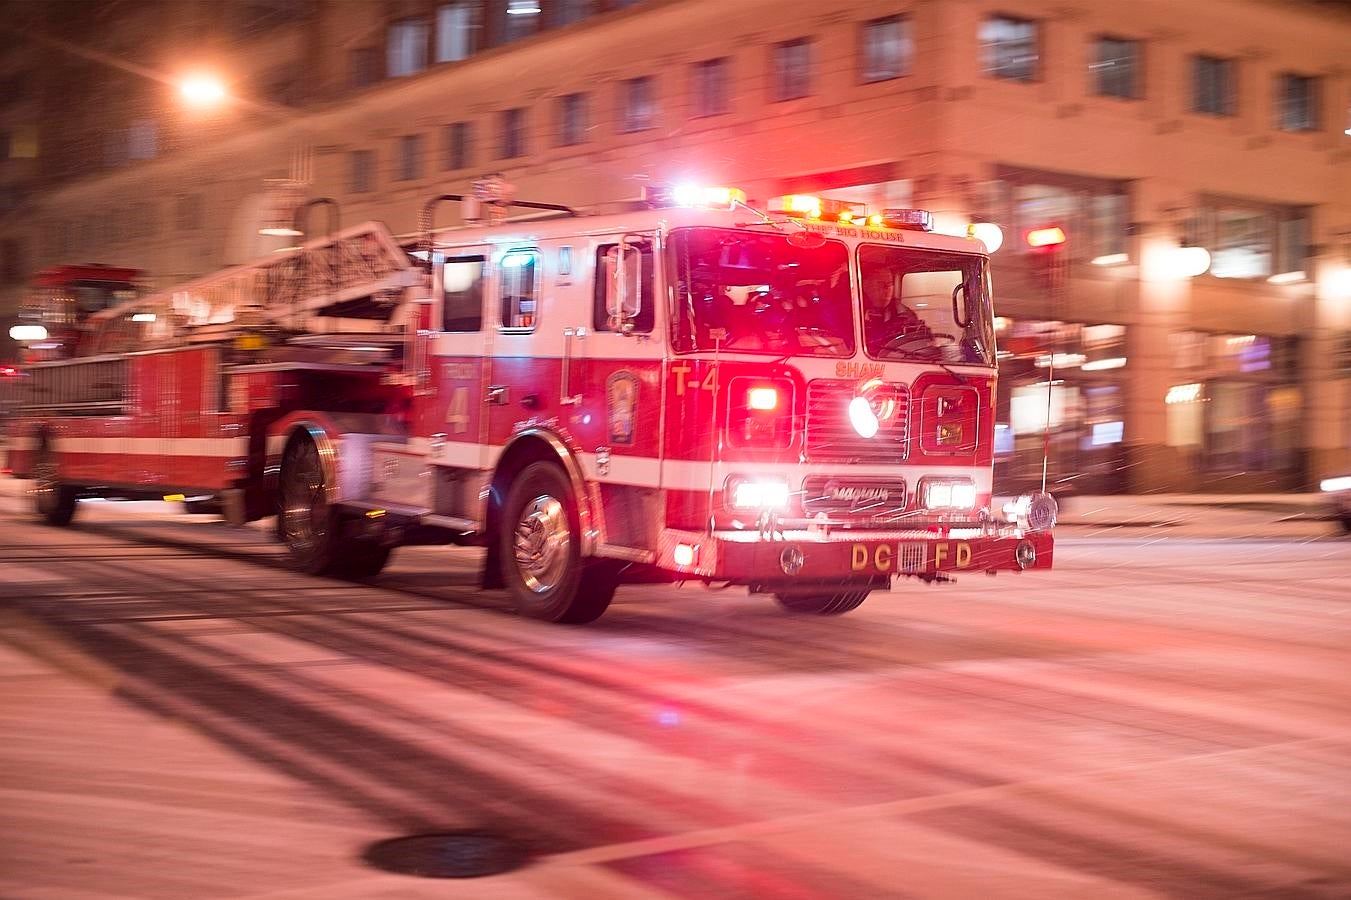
<point x="785" y="557"/>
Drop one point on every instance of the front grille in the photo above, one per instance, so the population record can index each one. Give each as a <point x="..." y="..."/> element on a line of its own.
<point x="832" y="438"/>
<point x="873" y="498"/>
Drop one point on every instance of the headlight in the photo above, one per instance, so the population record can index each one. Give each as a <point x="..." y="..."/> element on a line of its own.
<point x="744" y="493"/>
<point x="863" y="419"/>
<point x="947" y="493"/>
<point x="1336" y="484"/>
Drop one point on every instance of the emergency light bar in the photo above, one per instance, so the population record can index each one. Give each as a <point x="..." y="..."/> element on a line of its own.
<point x="812" y="207"/>
<point x="692" y="196"/>
<point x="909" y="219"/>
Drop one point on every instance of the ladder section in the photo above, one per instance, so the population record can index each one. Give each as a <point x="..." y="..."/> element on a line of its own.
<point x="356" y="281"/>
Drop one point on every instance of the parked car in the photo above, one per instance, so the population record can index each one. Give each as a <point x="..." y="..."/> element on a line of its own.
<point x="1339" y="496"/>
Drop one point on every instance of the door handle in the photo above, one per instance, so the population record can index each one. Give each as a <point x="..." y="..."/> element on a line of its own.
<point x="498" y="395"/>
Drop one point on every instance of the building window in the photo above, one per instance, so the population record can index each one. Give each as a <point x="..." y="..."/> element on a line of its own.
<point x="1251" y="240"/>
<point x="571" y="120"/>
<point x="513" y="134"/>
<point x="521" y="19"/>
<point x="407" y="47"/>
<point x="362" y="171"/>
<point x="1116" y="68"/>
<point x="1093" y="212"/>
<point x="1296" y="102"/>
<point x="1081" y="417"/>
<point x="187" y="213"/>
<point x="1237" y="405"/>
<point x="710" y="87"/>
<point x="11" y="261"/>
<point x="456" y="24"/>
<point x="363" y="67"/>
<point x="284" y="85"/>
<point x="410" y="157"/>
<point x="142" y="139"/>
<point x="1213" y="83"/>
<point x="23" y="142"/>
<point x="790" y="70"/>
<point x="455" y="146"/>
<point x="1008" y="48"/>
<point x="569" y="11"/>
<point x="638" y="104"/>
<point x="115" y="148"/>
<point x="886" y="48"/>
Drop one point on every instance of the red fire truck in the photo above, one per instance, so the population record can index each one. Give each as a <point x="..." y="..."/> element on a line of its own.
<point x="798" y="400"/>
<point x="55" y="314"/>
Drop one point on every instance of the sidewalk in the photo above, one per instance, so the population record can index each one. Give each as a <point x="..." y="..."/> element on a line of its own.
<point x="1196" y="510"/>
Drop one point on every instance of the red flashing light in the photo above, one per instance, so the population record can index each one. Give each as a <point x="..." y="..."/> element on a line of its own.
<point x="8" y="371"/>
<point x="1039" y="238"/>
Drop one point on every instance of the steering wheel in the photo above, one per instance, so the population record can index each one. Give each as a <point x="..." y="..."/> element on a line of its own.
<point x="912" y="342"/>
<point x="817" y="335"/>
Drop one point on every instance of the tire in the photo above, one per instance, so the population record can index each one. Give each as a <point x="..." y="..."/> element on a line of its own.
<point x="312" y="530"/>
<point x="53" y="501"/>
<point x="824" y="604"/>
<point x="363" y="559"/>
<point x="540" y="551"/>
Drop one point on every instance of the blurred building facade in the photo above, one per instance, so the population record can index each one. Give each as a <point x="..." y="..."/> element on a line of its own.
<point x="1137" y="128"/>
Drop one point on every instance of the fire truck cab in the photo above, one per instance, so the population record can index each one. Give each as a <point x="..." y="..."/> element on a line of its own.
<point x="798" y="400"/>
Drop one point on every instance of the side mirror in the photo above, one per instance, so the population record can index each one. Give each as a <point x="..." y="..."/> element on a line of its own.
<point x="958" y="306"/>
<point x="623" y="285"/>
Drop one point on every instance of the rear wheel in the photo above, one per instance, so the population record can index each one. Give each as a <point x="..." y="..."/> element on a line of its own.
<point x="312" y="528"/>
<point x="540" y="552"/>
<point x="823" y="604"/>
<point x="53" y="501"/>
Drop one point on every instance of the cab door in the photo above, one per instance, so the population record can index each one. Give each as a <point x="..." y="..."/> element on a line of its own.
<point x="452" y="416"/>
<point x="523" y="368"/>
<point x="623" y="370"/>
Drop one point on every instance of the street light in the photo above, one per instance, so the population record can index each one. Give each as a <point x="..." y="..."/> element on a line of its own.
<point x="202" y="90"/>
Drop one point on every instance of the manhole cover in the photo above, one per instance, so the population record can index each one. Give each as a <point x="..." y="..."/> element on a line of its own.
<point x="463" y="854"/>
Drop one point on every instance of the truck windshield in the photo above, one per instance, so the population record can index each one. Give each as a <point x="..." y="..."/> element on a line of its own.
<point x="926" y="305"/>
<point x="755" y="292"/>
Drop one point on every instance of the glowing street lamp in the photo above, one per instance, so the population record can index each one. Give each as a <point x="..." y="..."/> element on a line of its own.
<point x="202" y="90"/>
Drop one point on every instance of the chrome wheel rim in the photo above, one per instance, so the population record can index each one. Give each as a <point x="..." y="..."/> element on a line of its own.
<point x="302" y="497"/>
<point x="542" y="541"/>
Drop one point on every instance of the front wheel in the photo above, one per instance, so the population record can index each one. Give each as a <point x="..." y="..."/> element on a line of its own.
<point x="541" y="554"/>
<point x="53" y="501"/>
<point x="823" y="604"/>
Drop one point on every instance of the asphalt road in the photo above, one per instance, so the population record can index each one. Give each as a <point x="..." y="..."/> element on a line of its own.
<point x="1164" y="714"/>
